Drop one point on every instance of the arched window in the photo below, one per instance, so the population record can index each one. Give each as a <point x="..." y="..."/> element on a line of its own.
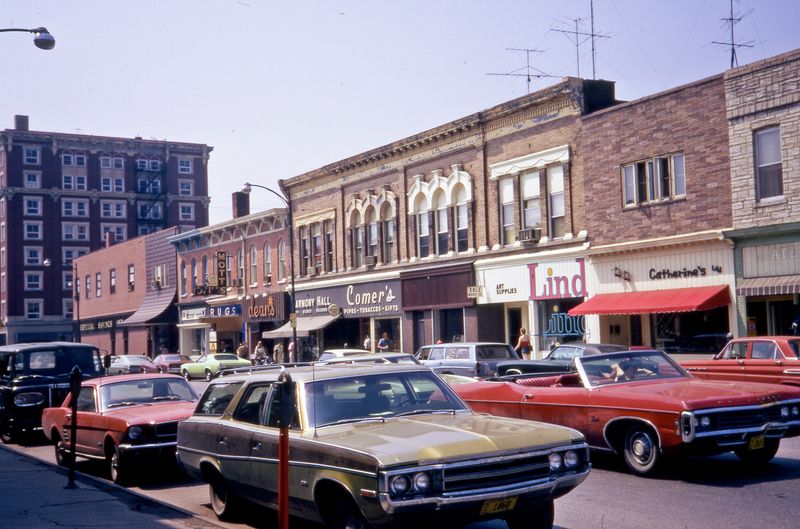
<point x="240" y="265"/>
<point x="423" y="228"/>
<point x="462" y="220"/>
<point x="194" y="273"/>
<point x="442" y="224"/>
<point x="183" y="278"/>
<point x="204" y="270"/>
<point x="388" y="232"/>
<point x="267" y="265"/>
<point x="371" y="232"/>
<point x="357" y="240"/>
<point x="281" y="260"/>
<point x="253" y="265"/>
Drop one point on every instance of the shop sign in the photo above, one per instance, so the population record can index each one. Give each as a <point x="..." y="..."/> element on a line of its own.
<point x="669" y="273"/>
<point x="224" y="311"/>
<point x="558" y="280"/>
<point x="193" y="314"/>
<point x="507" y="284"/>
<point x="100" y="325"/>
<point x="266" y="308"/>
<point x="768" y="260"/>
<point x="356" y="300"/>
<point x="222" y="269"/>
<point x="474" y="291"/>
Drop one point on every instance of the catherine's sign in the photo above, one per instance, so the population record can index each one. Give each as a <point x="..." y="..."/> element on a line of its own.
<point x="558" y="280"/>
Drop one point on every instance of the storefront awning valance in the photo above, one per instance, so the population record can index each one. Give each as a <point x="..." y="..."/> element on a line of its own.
<point x="768" y="286"/>
<point x="655" y="301"/>
<point x="304" y="327"/>
<point x="154" y="304"/>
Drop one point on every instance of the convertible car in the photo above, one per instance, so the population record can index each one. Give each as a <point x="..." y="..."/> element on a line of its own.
<point x="644" y="406"/>
<point x="124" y="420"/>
<point x="774" y="359"/>
<point x="376" y="445"/>
<point x="558" y="360"/>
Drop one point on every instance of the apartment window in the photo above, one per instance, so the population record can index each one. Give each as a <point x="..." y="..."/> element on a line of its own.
<point x="32" y="180"/>
<point x="281" y="261"/>
<point x="66" y="159"/>
<point x="423" y="234"/>
<point x="31" y="155"/>
<point x="75" y="208"/>
<point x="150" y="210"/>
<point x="66" y="280"/>
<point x="154" y="165"/>
<point x="131" y="278"/>
<point x="87" y="282"/>
<point x="205" y="269"/>
<point x="33" y="309"/>
<point x="769" y="176"/>
<point x="73" y="231"/>
<point x="462" y="221"/>
<point x="442" y="225"/>
<point x="80" y="160"/>
<point x="119" y="162"/>
<point x="33" y="230"/>
<point x="33" y="255"/>
<point x="388" y="240"/>
<point x="653" y="180"/>
<point x="316" y="246"/>
<point x="112" y="281"/>
<point x="77" y="288"/>
<point x="229" y="268"/>
<point x="358" y="246"/>
<point x="194" y="274"/>
<point x="371" y="232"/>
<point x="98" y="285"/>
<point x="328" y="227"/>
<point x="119" y="231"/>
<point x="67" y="182"/>
<point x="113" y="209"/>
<point x="141" y="165"/>
<point x="68" y="254"/>
<point x="304" y="255"/>
<point x="160" y="276"/>
<point x="67" y="308"/>
<point x="185" y="167"/>
<point x="555" y="189"/>
<point x="185" y="188"/>
<point x="33" y="206"/>
<point x="267" y="265"/>
<point x="105" y="184"/>
<point x="530" y="189"/>
<point x="105" y="162"/>
<point x="186" y="211"/>
<point x="240" y="265"/>
<point x="253" y="265"/>
<point x="149" y="185"/>
<point x="183" y="278"/>
<point x="80" y="183"/>
<point x="33" y="281"/>
<point x="507" y="211"/>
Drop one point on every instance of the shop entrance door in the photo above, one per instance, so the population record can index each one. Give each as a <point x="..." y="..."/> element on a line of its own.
<point x="514" y="319"/>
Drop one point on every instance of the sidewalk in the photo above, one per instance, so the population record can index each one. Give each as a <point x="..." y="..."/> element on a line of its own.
<point x="34" y="497"/>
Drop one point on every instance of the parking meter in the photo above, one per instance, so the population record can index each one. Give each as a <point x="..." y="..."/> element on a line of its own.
<point x="285" y="388"/>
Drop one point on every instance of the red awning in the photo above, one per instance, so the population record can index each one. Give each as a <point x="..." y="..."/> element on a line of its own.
<point x="670" y="300"/>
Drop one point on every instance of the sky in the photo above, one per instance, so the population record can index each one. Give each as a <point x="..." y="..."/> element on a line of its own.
<point x="279" y="88"/>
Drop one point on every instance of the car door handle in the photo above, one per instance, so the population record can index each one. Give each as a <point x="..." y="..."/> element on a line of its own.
<point x="224" y="441"/>
<point x="528" y="396"/>
<point x="68" y="416"/>
<point x="257" y="446"/>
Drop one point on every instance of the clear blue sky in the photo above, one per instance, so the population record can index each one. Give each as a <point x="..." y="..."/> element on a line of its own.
<point x="281" y="88"/>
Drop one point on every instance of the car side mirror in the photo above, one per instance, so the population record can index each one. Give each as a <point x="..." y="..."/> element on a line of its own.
<point x="107" y="361"/>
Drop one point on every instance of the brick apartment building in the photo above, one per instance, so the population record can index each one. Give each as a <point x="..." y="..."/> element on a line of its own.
<point x="63" y="195"/>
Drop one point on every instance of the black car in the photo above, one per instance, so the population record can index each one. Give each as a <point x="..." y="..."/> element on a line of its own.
<point x="35" y="376"/>
<point x="559" y="360"/>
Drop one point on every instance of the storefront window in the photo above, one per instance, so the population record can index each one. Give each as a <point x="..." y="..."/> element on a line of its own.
<point x="555" y="325"/>
<point x="450" y="325"/>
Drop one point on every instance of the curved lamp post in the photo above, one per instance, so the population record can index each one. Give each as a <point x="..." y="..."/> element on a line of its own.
<point x="287" y="199"/>
<point x="41" y="37"/>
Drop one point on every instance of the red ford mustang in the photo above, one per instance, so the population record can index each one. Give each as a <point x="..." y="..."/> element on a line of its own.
<point x="643" y="405"/>
<point x="774" y="359"/>
<point x="123" y="420"/>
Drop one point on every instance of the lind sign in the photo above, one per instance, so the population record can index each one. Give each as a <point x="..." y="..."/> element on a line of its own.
<point x="558" y="280"/>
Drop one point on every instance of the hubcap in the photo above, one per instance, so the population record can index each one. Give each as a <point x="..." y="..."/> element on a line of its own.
<point x="642" y="447"/>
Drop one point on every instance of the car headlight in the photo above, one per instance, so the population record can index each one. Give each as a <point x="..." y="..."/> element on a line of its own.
<point x="705" y="421"/>
<point x="571" y="459"/>
<point x="135" y="432"/>
<point x="784" y="412"/>
<point x="555" y="462"/>
<point x="32" y="398"/>
<point x="399" y="485"/>
<point x="422" y="481"/>
<point x="795" y="410"/>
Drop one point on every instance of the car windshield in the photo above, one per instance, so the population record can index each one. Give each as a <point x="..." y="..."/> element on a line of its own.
<point x="145" y="391"/>
<point x="620" y="368"/>
<point x="225" y="357"/>
<point x="500" y="352"/>
<point x="54" y="362"/>
<point x="381" y="396"/>
<point x="138" y="360"/>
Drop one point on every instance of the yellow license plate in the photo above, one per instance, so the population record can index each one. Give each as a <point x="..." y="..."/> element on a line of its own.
<point x="496" y="506"/>
<point x="757" y="442"/>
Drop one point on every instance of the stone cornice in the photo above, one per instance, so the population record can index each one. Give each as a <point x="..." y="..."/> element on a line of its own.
<point x="105" y="143"/>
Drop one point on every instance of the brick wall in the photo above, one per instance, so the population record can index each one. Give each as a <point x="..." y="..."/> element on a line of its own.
<point x="690" y="120"/>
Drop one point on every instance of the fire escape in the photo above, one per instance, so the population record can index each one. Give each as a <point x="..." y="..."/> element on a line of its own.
<point x="151" y="197"/>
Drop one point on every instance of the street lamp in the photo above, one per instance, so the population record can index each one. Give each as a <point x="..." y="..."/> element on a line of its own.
<point x="41" y="37"/>
<point x="287" y="199"/>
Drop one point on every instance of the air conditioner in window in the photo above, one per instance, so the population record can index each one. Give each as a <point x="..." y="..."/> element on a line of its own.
<point x="130" y="286"/>
<point x="370" y="260"/>
<point x="529" y="235"/>
<point x="157" y="283"/>
<point x="312" y="270"/>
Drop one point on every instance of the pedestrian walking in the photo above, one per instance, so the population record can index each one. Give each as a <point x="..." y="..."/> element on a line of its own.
<point x="242" y="351"/>
<point x="524" y="344"/>
<point x="368" y="343"/>
<point x="277" y="352"/>
<point x="292" y="352"/>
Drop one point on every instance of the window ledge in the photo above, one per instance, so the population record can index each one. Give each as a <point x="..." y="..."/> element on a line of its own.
<point x="636" y="207"/>
<point x="770" y="201"/>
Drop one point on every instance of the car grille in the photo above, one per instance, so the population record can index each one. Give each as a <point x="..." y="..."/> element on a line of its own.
<point x="495" y="473"/>
<point x="746" y="418"/>
<point x="167" y="429"/>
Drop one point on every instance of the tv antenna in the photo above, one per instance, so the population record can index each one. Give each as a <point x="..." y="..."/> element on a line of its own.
<point x="530" y="72"/>
<point x="579" y="37"/>
<point x="732" y="21"/>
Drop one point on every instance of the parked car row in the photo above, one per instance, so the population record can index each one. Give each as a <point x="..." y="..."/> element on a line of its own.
<point x="409" y="445"/>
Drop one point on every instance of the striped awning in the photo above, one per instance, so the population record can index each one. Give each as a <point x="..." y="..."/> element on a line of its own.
<point x="768" y="286"/>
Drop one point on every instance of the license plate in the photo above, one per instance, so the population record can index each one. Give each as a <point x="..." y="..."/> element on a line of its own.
<point x="757" y="442"/>
<point x="496" y="506"/>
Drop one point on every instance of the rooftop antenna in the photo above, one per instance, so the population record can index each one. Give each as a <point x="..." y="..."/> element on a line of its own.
<point x="530" y="72"/>
<point x="732" y="21"/>
<point x="575" y="37"/>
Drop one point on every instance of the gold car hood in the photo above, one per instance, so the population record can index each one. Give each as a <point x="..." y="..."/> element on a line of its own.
<point x="437" y="437"/>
